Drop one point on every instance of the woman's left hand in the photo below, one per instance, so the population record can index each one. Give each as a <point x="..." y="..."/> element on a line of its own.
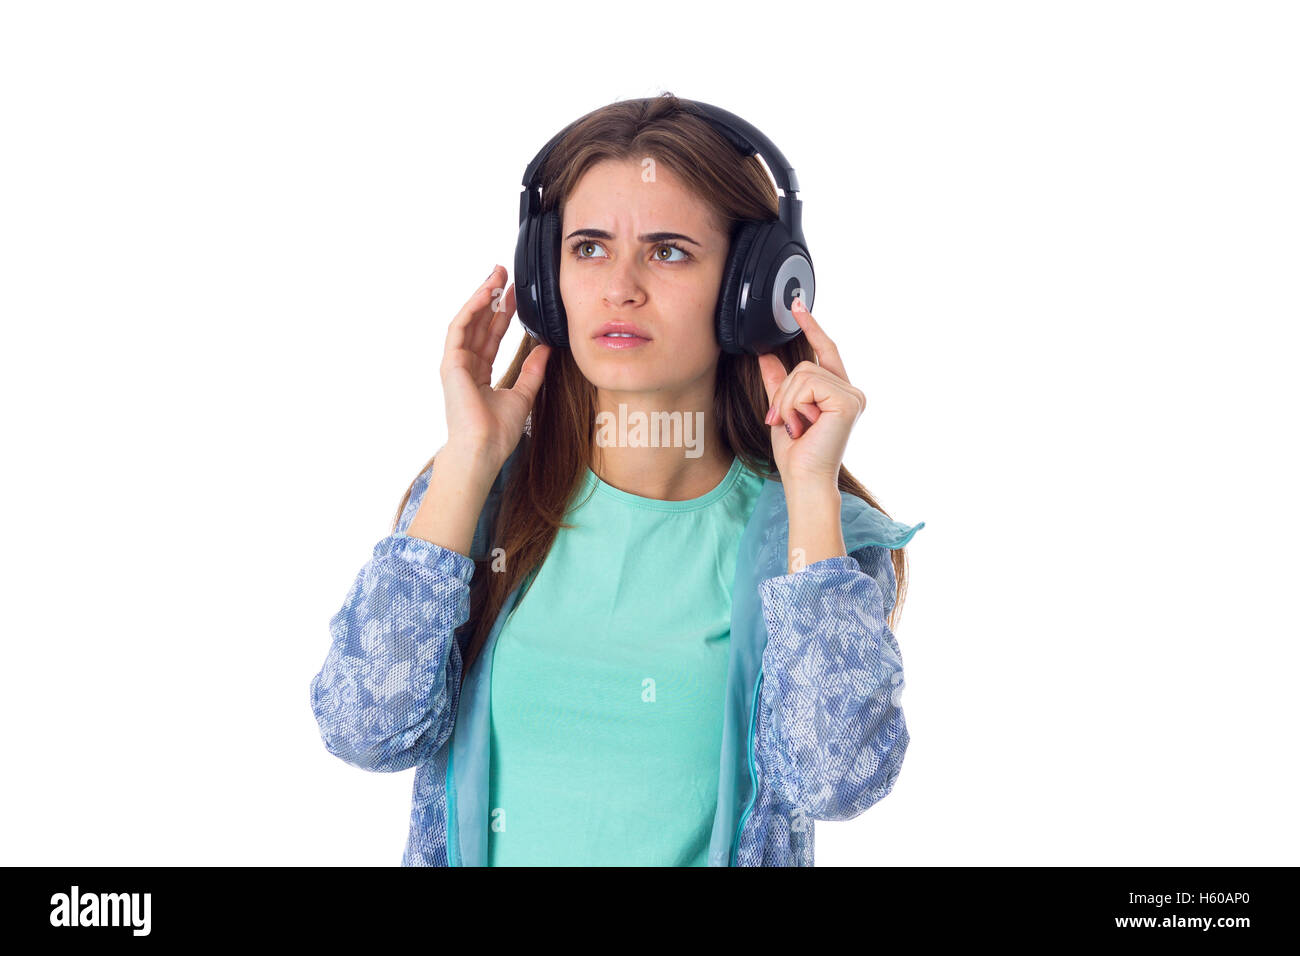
<point x="812" y="409"/>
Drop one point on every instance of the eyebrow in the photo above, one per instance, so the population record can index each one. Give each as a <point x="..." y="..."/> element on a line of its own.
<point x="644" y="237"/>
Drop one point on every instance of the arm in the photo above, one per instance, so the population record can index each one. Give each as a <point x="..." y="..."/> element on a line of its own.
<point x="832" y="680"/>
<point x="385" y="697"/>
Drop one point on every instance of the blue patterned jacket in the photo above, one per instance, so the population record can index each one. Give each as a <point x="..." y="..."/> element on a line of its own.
<point x="813" y="727"/>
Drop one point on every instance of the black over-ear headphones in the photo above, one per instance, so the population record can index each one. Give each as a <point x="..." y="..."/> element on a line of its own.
<point x="767" y="266"/>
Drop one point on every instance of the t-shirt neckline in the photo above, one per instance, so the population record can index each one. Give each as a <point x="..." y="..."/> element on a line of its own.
<point x="659" y="504"/>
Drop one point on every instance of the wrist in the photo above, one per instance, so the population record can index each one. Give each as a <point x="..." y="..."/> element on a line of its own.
<point x="811" y="489"/>
<point x="815" y="531"/>
<point x="478" y="463"/>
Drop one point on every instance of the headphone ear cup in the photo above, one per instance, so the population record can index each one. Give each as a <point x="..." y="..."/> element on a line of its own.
<point x="727" y="320"/>
<point x="553" y="320"/>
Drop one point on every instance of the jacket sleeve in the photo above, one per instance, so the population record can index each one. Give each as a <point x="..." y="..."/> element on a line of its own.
<point x="385" y="697"/>
<point x="832" y="681"/>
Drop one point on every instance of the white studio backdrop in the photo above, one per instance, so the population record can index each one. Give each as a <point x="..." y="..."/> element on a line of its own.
<point x="1055" y="242"/>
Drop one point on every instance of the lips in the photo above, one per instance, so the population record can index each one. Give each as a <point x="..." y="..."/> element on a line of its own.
<point x="621" y="329"/>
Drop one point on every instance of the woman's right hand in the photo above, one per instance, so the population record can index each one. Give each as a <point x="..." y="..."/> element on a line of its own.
<point x="484" y="422"/>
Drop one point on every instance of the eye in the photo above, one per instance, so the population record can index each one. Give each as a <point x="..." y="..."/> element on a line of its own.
<point x="577" y="247"/>
<point x="668" y="245"/>
<point x="580" y="244"/>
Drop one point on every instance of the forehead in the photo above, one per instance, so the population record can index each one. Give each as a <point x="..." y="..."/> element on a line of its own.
<point x="613" y="191"/>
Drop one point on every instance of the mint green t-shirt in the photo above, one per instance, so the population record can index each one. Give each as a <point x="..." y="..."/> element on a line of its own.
<point x="608" y="683"/>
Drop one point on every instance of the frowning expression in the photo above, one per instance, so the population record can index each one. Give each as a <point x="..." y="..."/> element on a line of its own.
<point x="643" y="256"/>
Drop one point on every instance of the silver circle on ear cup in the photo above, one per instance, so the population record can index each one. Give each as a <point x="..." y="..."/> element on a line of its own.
<point x="795" y="275"/>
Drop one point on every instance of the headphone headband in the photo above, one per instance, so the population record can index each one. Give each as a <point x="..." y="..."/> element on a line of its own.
<point x="748" y="139"/>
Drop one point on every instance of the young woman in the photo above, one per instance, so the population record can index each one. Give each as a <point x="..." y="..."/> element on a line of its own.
<point x="601" y="649"/>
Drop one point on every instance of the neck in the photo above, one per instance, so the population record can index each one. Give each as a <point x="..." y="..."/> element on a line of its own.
<point x="671" y="451"/>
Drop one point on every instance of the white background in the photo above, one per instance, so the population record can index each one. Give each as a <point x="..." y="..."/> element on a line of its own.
<point x="1055" y="242"/>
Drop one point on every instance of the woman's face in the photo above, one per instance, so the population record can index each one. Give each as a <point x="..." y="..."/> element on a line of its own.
<point x="611" y="269"/>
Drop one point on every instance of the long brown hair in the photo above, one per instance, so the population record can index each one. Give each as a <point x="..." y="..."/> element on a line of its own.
<point x="547" y="473"/>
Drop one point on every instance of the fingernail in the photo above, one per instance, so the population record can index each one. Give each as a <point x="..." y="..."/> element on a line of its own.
<point x="798" y="304"/>
<point x="492" y="273"/>
<point x="771" y="414"/>
<point x="788" y="430"/>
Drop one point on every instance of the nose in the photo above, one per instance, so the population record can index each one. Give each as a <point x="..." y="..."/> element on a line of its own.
<point x="622" y="285"/>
